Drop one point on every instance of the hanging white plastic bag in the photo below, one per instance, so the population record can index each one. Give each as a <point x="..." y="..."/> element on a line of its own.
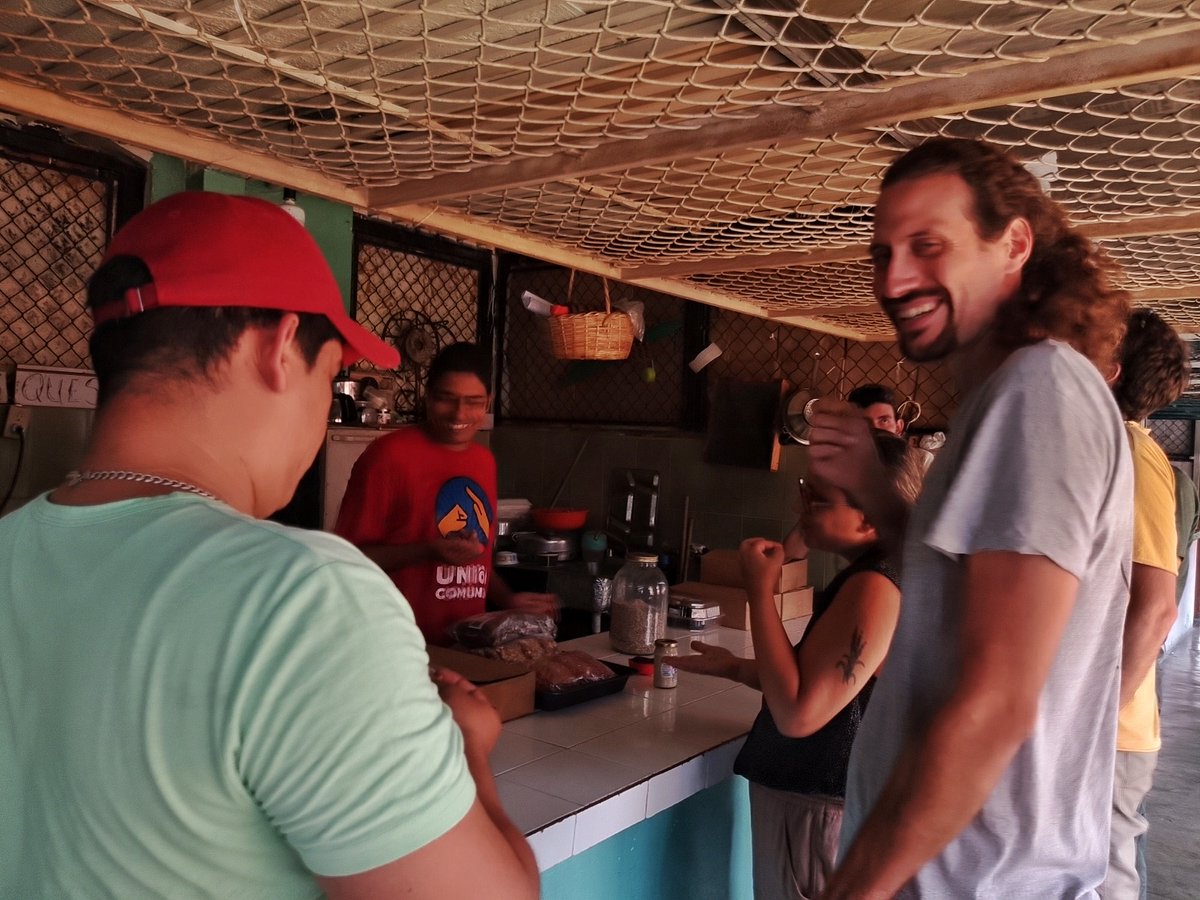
<point x="636" y="310"/>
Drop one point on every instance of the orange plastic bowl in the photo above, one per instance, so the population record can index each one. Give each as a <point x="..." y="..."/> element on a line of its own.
<point x="559" y="518"/>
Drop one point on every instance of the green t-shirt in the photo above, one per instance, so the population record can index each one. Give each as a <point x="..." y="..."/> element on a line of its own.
<point x="197" y="703"/>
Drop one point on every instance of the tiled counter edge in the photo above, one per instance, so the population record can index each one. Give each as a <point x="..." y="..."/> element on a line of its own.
<point x="573" y="778"/>
<point x="580" y="830"/>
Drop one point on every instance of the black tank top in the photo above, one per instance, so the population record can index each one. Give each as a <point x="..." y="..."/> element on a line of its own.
<point x="815" y="764"/>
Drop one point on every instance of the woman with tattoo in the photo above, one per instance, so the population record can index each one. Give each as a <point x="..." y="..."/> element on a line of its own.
<point x="813" y="694"/>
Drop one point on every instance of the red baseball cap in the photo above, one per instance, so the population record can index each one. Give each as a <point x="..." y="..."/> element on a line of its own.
<point x="208" y="249"/>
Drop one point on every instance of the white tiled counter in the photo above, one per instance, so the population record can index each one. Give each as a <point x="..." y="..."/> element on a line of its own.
<point x="573" y="777"/>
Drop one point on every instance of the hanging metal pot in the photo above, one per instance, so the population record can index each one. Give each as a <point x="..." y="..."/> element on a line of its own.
<point x="794" y="413"/>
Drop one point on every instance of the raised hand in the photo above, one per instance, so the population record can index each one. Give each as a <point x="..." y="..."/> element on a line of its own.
<point x="762" y="563"/>
<point x="842" y="451"/>
<point x="710" y="660"/>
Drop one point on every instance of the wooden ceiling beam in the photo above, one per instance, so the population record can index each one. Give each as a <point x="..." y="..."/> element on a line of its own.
<point x="50" y="106"/>
<point x="842" y="309"/>
<point x="1170" y="56"/>
<point x="1151" y="295"/>
<point x="1097" y="231"/>
<point x="781" y="260"/>
<point x="1143" y="227"/>
<point x="502" y="238"/>
<point x="1140" y="296"/>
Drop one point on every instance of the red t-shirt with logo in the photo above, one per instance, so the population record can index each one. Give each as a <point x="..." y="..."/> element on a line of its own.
<point x="405" y="489"/>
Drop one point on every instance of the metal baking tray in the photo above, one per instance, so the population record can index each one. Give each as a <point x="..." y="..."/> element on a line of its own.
<point x="551" y="700"/>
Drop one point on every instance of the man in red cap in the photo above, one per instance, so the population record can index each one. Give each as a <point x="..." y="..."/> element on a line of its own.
<point x="198" y="702"/>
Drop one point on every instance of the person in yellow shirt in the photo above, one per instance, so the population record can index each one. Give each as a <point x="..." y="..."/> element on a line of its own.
<point x="1152" y="374"/>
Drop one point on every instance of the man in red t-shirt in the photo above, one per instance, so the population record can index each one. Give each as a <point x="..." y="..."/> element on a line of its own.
<point x="421" y="502"/>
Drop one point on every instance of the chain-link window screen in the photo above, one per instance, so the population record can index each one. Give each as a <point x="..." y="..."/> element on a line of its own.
<point x="1175" y="436"/>
<point x="54" y="225"/>
<point x="755" y="349"/>
<point x="645" y="389"/>
<point x="417" y="303"/>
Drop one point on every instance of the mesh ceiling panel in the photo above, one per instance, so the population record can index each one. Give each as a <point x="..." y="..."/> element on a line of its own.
<point x="667" y="142"/>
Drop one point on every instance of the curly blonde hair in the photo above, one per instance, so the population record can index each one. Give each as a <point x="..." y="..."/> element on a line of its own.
<point x="902" y="464"/>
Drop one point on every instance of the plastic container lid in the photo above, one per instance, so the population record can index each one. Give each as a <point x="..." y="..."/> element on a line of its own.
<point x="643" y="665"/>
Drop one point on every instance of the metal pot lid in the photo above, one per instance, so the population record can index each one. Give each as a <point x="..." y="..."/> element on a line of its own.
<point x="794" y="415"/>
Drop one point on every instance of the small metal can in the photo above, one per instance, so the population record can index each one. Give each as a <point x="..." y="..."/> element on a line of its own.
<point x="665" y="673"/>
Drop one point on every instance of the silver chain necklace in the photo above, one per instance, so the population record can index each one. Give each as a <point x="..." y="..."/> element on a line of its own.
<point x="74" y="478"/>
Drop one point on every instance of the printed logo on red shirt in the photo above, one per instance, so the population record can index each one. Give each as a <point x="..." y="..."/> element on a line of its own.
<point x="462" y="506"/>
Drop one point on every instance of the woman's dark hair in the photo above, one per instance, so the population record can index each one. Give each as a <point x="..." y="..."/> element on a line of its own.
<point x="1066" y="285"/>
<point x="463" y="357"/>
<point x="176" y="342"/>
<point x="1154" y="366"/>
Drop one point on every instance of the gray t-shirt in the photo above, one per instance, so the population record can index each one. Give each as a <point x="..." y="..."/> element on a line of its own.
<point x="1037" y="463"/>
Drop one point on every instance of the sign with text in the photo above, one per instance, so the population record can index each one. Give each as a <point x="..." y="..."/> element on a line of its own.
<point x="46" y="386"/>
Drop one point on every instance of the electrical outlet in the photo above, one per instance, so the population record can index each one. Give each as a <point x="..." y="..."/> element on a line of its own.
<point x="17" y="422"/>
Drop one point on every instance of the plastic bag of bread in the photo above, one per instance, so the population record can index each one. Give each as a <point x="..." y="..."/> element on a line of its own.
<point x="526" y="649"/>
<point x="491" y="629"/>
<point x="568" y="669"/>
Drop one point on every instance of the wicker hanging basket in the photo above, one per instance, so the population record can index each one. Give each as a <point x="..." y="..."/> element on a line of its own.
<point x="591" y="335"/>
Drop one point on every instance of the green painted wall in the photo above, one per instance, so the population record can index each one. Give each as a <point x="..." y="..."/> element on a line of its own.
<point x="168" y="176"/>
<point x="696" y="850"/>
<point x="330" y="224"/>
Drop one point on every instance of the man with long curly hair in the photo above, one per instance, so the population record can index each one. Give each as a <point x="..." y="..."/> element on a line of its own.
<point x="1153" y="373"/>
<point x="984" y="765"/>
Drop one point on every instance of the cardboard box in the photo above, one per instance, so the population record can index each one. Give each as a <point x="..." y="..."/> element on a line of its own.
<point x="735" y="606"/>
<point x="508" y="685"/>
<point x="724" y="567"/>
<point x="794" y="604"/>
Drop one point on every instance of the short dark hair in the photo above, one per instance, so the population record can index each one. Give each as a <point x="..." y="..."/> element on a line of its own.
<point x="1154" y="366"/>
<point x="176" y="342"/>
<point x="869" y="394"/>
<point x="462" y="357"/>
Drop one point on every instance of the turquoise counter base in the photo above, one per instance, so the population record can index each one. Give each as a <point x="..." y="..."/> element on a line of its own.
<point x="698" y="849"/>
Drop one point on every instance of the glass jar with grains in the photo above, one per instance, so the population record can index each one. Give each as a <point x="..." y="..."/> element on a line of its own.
<point x="639" y="605"/>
